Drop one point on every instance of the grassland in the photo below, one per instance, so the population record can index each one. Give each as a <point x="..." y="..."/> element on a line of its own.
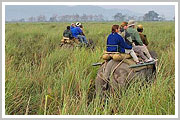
<point x="41" y="78"/>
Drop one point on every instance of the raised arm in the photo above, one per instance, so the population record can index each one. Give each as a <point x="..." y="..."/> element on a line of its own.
<point x="123" y="43"/>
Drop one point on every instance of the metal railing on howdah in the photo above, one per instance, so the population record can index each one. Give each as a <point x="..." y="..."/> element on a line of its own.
<point x="113" y="46"/>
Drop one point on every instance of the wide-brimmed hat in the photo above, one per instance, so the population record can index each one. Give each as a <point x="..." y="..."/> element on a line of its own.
<point x="131" y="23"/>
<point x="78" y="24"/>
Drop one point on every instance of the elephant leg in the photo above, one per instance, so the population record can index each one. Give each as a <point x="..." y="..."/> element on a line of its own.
<point x="102" y="79"/>
<point x="100" y="83"/>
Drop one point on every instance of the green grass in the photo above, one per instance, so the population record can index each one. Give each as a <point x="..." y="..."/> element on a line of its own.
<point x="42" y="78"/>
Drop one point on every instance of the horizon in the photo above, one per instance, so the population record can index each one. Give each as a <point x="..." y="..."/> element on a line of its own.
<point x="14" y="12"/>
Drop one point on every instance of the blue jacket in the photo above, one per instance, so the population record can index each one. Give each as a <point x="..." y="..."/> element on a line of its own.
<point x="76" y="31"/>
<point x="115" y="43"/>
<point x="71" y="27"/>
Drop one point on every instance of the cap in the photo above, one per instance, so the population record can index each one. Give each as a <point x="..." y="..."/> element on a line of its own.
<point x="140" y="26"/>
<point x="131" y="23"/>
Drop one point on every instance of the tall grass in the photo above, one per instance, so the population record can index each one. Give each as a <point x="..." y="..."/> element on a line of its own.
<point x="43" y="79"/>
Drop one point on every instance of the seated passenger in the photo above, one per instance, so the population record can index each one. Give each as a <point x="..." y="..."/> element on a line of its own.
<point x="67" y="33"/>
<point x="78" y="33"/>
<point x="115" y="43"/>
<point x="72" y="26"/>
<point x="81" y="27"/>
<point x="139" y="47"/>
<point x="123" y="32"/>
<point x="142" y="36"/>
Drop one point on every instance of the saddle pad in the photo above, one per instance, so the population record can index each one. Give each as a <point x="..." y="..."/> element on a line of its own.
<point x="138" y="67"/>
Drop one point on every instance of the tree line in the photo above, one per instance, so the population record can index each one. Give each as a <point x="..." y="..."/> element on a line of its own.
<point x="63" y="18"/>
<point x="149" y="16"/>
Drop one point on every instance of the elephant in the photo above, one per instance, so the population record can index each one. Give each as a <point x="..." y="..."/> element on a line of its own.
<point x="117" y="74"/>
<point x="75" y="42"/>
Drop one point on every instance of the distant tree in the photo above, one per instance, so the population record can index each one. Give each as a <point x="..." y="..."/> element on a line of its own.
<point x="41" y="18"/>
<point x="53" y="18"/>
<point x="161" y="18"/>
<point x="140" y="18"/>
<point x="76" y="17"/>
<point x="32" y="19"/>
<point x="90" y="17"/>
<point x="84" y="18"/>
<point x="100" y="17"/>
<point x="151" y="16"/>
<point x="131" y="18"/>
<point x="21" y="20"/>
<point x="13" y="20"/>
<point x="59" y="18"/>
<point x="119" y="17"/>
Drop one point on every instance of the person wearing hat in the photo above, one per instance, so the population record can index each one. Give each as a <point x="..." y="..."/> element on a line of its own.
<point x="115" y="43"/>
<point x="78" y="33"/>
<point x="123" y="32"/>
<point x="134" y="34"/>
<point x="139" y="47"/>
<point x="142" y="36"/>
